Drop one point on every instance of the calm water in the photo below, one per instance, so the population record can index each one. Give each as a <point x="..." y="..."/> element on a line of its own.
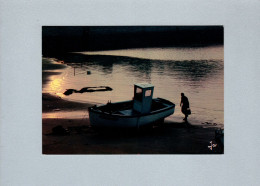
<point x="198" y="72"/>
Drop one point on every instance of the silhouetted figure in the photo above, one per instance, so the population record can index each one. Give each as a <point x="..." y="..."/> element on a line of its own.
<point x="185" y="106"/>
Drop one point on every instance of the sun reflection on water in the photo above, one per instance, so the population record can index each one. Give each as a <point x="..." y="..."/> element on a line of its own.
<point x="66" y="114"/>
<point x="55" y="84"/>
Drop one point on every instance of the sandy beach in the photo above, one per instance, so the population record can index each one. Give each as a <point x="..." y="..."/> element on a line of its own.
<point x="80" y="138"/>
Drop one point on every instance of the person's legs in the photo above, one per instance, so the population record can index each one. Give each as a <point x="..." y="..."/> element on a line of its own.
<point x="186" y="117"/>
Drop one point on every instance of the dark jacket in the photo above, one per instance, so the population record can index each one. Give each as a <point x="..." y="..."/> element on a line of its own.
<point x="185" y="102"/>
<point x="185" y="105"/>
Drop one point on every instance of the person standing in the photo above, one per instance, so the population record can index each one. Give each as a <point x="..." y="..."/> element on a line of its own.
<point x="185" y="106"/>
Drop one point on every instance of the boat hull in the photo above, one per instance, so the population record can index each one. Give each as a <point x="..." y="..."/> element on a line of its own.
<point x="101" y="119"/>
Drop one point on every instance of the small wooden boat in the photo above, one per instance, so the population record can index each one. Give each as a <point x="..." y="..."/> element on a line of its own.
<point x="141" y="111"/>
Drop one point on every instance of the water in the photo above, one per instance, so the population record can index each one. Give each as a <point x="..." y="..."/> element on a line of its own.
<point x="198" y="72"/>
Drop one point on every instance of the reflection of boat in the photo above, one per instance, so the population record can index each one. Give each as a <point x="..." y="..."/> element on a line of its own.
<point x="140" y="111"/>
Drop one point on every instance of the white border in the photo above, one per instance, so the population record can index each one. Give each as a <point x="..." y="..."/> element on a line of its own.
<point x="21" y="160"/>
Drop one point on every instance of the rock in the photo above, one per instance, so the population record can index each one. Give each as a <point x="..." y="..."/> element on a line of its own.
<point x="59" y="130"/>
<point x="69" y="92"/>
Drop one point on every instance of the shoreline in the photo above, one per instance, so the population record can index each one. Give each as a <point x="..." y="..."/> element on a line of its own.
<point x="50" y="103"/>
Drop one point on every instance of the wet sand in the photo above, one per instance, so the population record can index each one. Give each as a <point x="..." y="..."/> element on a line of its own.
<point x="50" y="103"/>
<point x="81" y="138"/>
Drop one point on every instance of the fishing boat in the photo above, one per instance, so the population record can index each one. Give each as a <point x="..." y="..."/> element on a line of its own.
<point x="141" y="111"/>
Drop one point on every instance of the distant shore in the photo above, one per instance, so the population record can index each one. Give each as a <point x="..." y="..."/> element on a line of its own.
<point x="91" y="38"/>
<point x="81" y="138"/>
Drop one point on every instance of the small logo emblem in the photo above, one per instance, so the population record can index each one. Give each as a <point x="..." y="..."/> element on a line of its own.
<point x="212" y="145"/>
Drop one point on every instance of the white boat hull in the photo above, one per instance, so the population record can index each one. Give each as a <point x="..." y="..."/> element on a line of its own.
<point x="101" y="119"/>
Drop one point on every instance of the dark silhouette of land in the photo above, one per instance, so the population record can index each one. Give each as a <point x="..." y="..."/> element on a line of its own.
<point x="63" y="39"/>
